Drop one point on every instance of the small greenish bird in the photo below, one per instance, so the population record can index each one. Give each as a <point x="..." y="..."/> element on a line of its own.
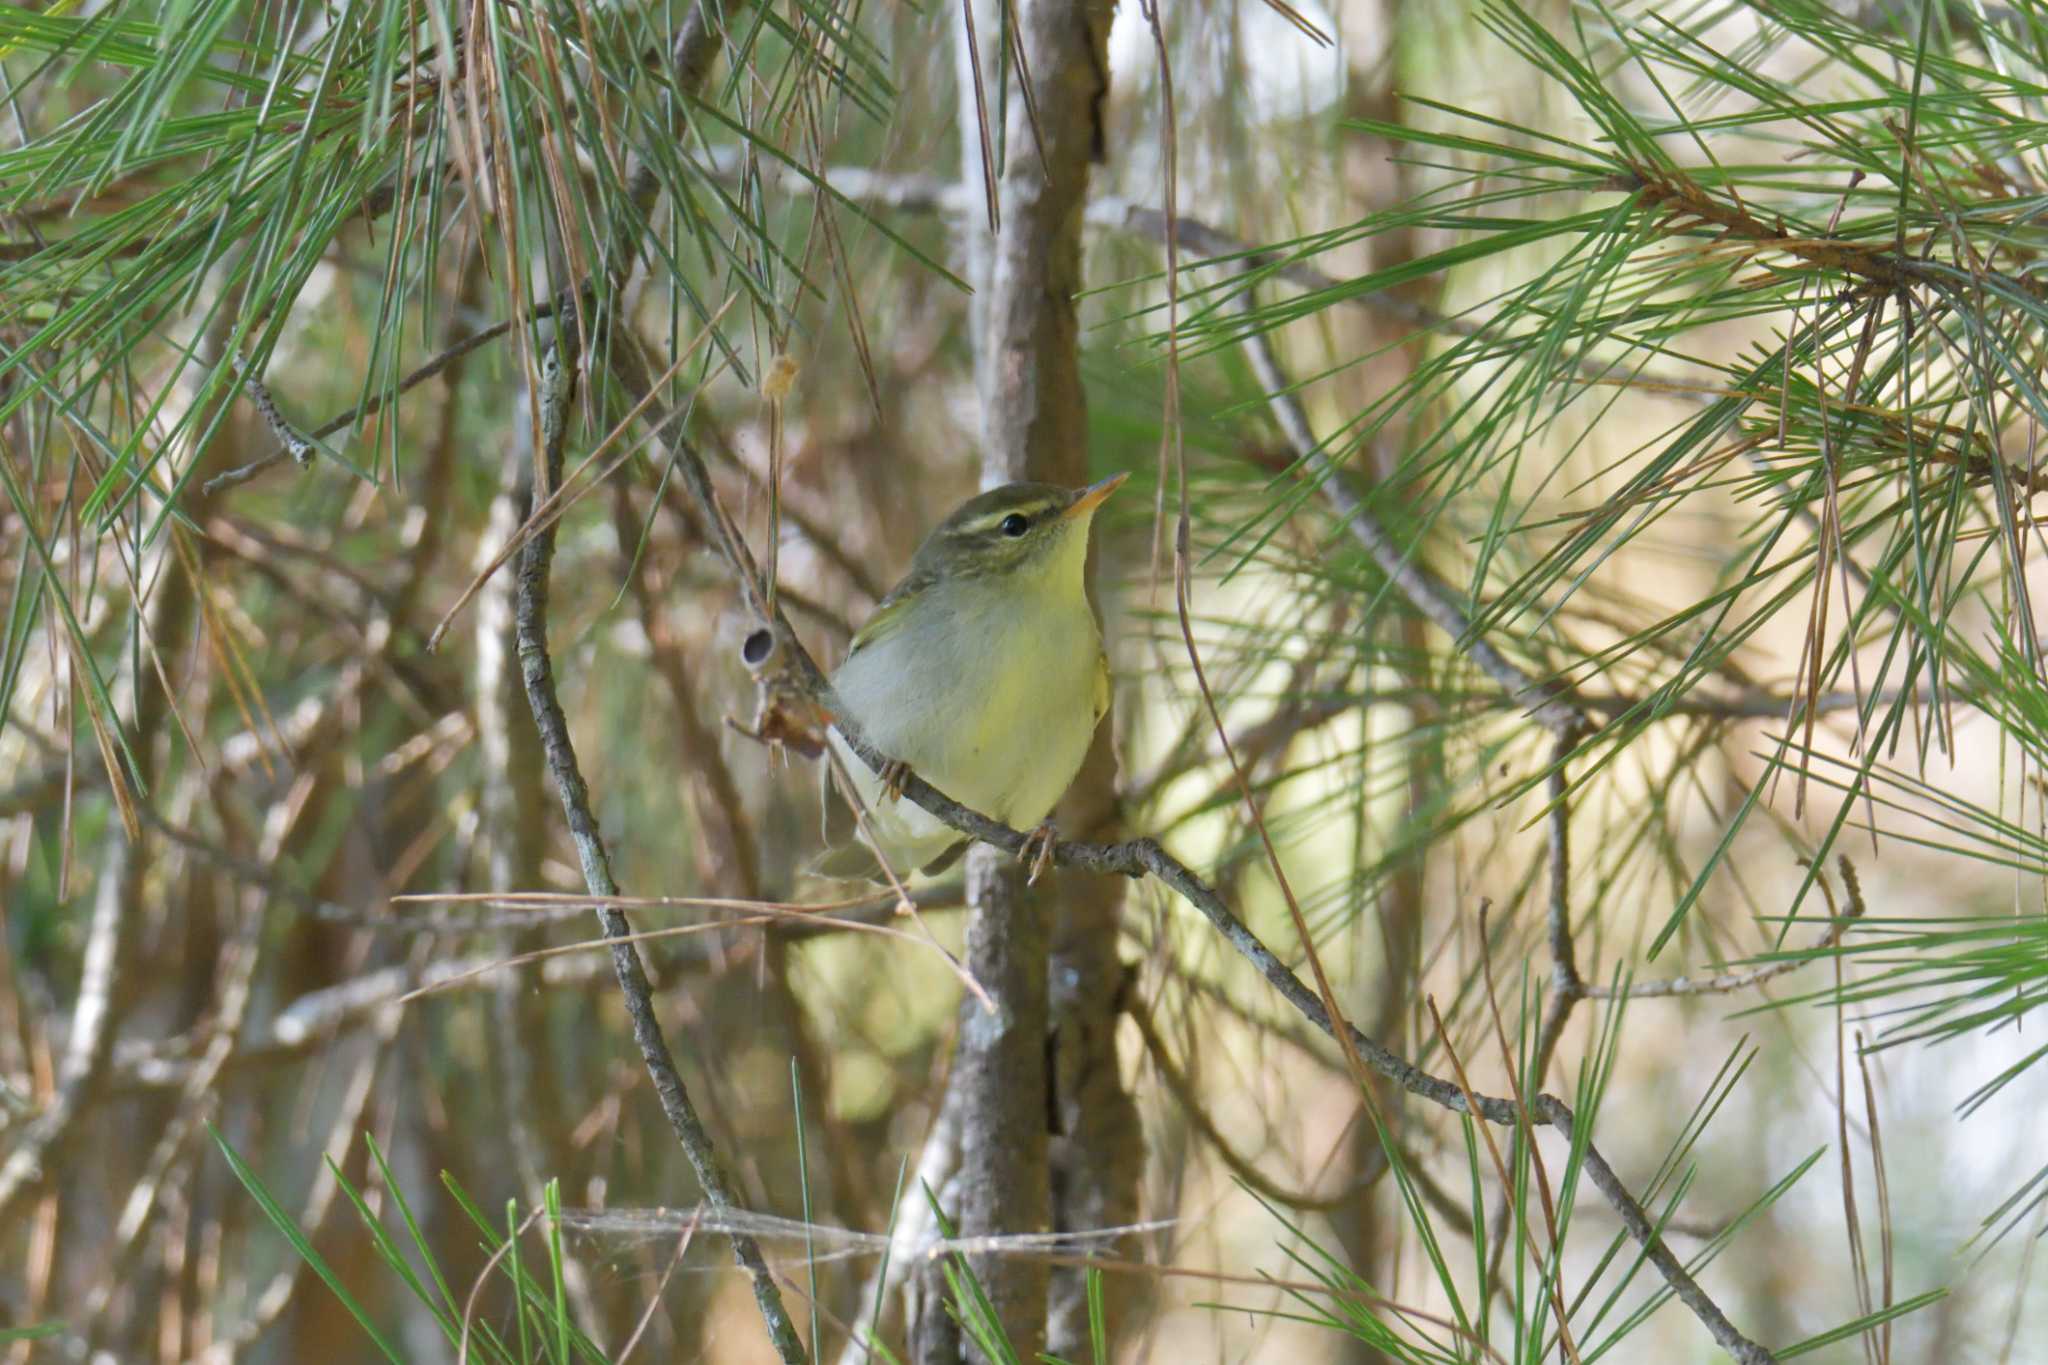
<point x="982" y="672"/>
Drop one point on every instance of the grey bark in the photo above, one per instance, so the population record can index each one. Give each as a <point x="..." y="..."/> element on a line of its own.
<point x="511" y="821"/>
<point x="1040" y="1146"/>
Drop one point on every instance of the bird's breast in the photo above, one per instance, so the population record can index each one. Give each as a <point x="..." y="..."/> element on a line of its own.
<point x="993" y="703"/>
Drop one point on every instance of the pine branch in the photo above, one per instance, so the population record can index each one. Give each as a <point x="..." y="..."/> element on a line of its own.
<point x="795" y="695"/>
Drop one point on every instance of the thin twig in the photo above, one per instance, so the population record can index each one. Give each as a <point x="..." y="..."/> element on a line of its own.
<point x="742" y="914"/>
<point x="1725" y="982"/>
<point x="1171" y="439"/>
<point x="316" y="1018"/>
<point x="693" y="50"/>
<point x="372" y="405"/>
<point x="1548" y="703"/>
<point x="537" y="672"/>
<point x="1566" y="986"/>
<point x="298" y="447"/>
<point x="1839" y="921"/>
<point x="654" y="1299"/>
<point x="559" y="499"/>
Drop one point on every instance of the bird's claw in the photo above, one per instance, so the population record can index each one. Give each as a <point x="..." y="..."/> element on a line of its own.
<point x="894" y="774"/>
<point x="1037" y="851"/>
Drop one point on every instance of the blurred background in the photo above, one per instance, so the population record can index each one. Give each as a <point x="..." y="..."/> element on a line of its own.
<point x="1691" y="354"/>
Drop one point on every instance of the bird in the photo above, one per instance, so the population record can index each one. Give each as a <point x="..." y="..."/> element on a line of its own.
<point x="982" y="672"/>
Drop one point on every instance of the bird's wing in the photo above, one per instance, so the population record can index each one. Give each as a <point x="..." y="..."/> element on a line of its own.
<point x="889" y="615"/>
<point x="888" y="618"/>
<point x="1101" y="685"/>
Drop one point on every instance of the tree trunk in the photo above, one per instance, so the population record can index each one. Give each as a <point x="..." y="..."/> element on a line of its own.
<point x="1010" y="1111"/>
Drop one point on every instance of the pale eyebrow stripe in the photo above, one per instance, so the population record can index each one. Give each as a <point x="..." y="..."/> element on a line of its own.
<point x="991" y="520"/>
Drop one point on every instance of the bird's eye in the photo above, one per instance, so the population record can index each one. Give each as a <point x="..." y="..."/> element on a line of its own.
<point x="1015" y="524"/>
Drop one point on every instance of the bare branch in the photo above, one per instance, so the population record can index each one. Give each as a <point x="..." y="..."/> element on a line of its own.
<point x="537" y="671"/>
<point x="292" y="441"/>
<point x="1566" y="987"/>
<point x="1725" y="982"/>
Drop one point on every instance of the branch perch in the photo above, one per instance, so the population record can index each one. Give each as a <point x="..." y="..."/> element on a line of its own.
<point x="794" y="693"/>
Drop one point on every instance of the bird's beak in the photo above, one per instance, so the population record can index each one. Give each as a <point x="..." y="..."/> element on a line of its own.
<point x="1092" y="496"/>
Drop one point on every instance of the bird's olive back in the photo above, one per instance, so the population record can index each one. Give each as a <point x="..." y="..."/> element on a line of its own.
<point x="996" y="532"/>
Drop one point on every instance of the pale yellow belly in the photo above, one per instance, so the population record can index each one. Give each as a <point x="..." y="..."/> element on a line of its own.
<point x="1001" y="730"/>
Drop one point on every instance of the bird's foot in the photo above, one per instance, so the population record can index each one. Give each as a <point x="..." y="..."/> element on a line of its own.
<point x="1037" y="850"/>
<point x="894" y="774"/>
